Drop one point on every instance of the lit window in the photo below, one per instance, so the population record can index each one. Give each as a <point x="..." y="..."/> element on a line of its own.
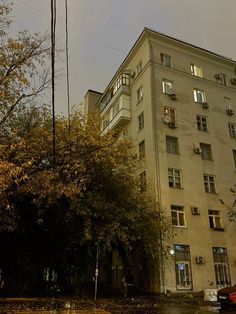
<point x="142" y="181"/>
<point x="174" y="177"/>
<point x="209" y="183"/>
<point x="141" y="149"/>
<point x="214" y="219"/>
<point x="199" y="96"/>
<point x="166" y="60"/>
<point x="232" y="129"/>
<point x="141" y="121"/>
<point x="172" y="145"/>
<point x="139" y="67"/>
<point x="169" y="114"/>
<point x="202" y="124"/>
<point x="167" y="87"/>
<point x="140" y="94"/>
<point x="196" y="70"/>
<point x="206" y="151"/>
<point x="177" y="216"/>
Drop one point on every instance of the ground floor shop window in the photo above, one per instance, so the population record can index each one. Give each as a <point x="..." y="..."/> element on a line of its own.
<point x="183" y="267"/>
<point x="221" y="266"/>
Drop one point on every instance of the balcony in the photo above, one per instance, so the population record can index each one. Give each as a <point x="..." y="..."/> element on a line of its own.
<point x="118" y="111"/>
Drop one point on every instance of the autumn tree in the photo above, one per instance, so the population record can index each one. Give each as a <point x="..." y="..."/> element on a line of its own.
<point x="90" y="197"/>
<point x="22" y="65"/>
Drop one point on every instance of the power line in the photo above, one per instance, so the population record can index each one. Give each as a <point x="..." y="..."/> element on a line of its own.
<point x="67" y="68"/>
<point x="53" y="36"/>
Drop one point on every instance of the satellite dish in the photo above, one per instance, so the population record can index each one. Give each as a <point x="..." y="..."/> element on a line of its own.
<point x="166" y="118"/>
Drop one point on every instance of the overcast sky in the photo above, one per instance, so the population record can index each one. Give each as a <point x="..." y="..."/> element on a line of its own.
<point x="101" y="32"/>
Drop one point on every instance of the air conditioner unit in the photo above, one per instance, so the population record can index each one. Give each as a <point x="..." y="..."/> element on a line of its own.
<point x="172" y="125"/>
<point x="217" y="76"/>
<point x="233" y="81"/>
<point x="173" y="96"/>
<point x="230" y="111"/>
<point x="200" y="260"/>
<point x="197" y="150"/>
<point x="205" y="105"/>
<point x="195" y="210"/>
<point x="133" y="74"/>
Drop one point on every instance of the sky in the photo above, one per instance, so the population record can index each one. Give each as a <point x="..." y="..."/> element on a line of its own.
<point x="101" y="33"/>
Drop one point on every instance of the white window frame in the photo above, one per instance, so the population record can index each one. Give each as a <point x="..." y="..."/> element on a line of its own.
<point x="178" y="216"/>
<point x="139" y="67"/>
<point x="166" y="60"/>
<point x="175" y="178"/>
<point x="199" y="96"/>
<point x="227" y="102"/>
<point x="202" y="123"/>
<point x="172" y="145"/>
<point x="209" y="183"/>
<point x="167" y="87"/>
<point x="140" y="94"/>
<point x="206" y="152"/>
<point x="171" y="113"/>
<point x="215" y="220"/>
<point x="196" y="70"/>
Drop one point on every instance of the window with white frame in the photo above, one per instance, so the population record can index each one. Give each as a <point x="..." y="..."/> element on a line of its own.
<point x="139" y="67"/>
<point x="170" y="113"/>
<point x="206" y="151"/>
<point x="141" y="121"/>
<point x="215" y="219"/>
<point x="222" y="79"/>
<point x="140" y="94"/>
<point x="196" y="70"/>
<point x="166" y="60"/>
<point x="232" y="129"/>
<point x="202" y="123"/>
<point x="167" y="87"/>
<point x="227" y="103"/>
<point x="209" y="183"/>
<point x="177" y="216"/>
<point x="199" y="96"/>
<point x="174" y="178"/>
<point x="221" y="266"/>
<point x="172" y="146"/>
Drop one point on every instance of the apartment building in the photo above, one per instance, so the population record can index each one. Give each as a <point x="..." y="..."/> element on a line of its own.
<point x="178" y="104"/>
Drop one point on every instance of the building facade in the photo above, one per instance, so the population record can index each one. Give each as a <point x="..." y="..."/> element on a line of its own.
<point x="178" y="104"/>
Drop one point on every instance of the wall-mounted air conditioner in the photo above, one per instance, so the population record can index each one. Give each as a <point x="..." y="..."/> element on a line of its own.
<point x="200" y="260"/>
<point x="233" y="81"/>
<point x="195" y="210"/>
<point x="197" y="150"/>
<point x="205" y="105"/>
<point x="230" y="111"/>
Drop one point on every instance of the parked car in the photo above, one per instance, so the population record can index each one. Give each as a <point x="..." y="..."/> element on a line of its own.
<point x="227" y="296"/>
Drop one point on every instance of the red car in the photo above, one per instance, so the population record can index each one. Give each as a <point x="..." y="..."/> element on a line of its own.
<point x="227" y="296"/>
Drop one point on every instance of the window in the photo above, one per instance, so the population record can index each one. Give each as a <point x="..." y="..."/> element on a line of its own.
<point x="172" y="145"/>
<point x="206" y="151"/>
<point x="139" y="67"/>
<point x="199" y="96"/>
<point x="167" y="87"/>
<point x="183" y="267"/>
<point x="227" y="103"/>
<point x="234" y="156"/>
<point x="140" y="94"/>
<point x="142" y="182"/>
<point x="123" y="79"/>
<point x="202" y="123"/>
<point x="105" y="123"/>
<point x="169" y="113"/>
<point x="141" y="121"/>
<point x="232" y="129"/>
<point x="141" y="149"/>
<point x="209" y="183"/>
<point x="196" y="70"/>
<point x="221" y="266"/>
<point x="177" y="216"/>
<point x="215" y="219"/>
<point x="166" y="60"/>
<point x="174" y="176"/>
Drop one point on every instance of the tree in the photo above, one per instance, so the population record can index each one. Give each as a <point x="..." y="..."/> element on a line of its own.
<point x="22" y="65"/>
<point x="91" y="196"/>
<point x="231" y="208"/>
